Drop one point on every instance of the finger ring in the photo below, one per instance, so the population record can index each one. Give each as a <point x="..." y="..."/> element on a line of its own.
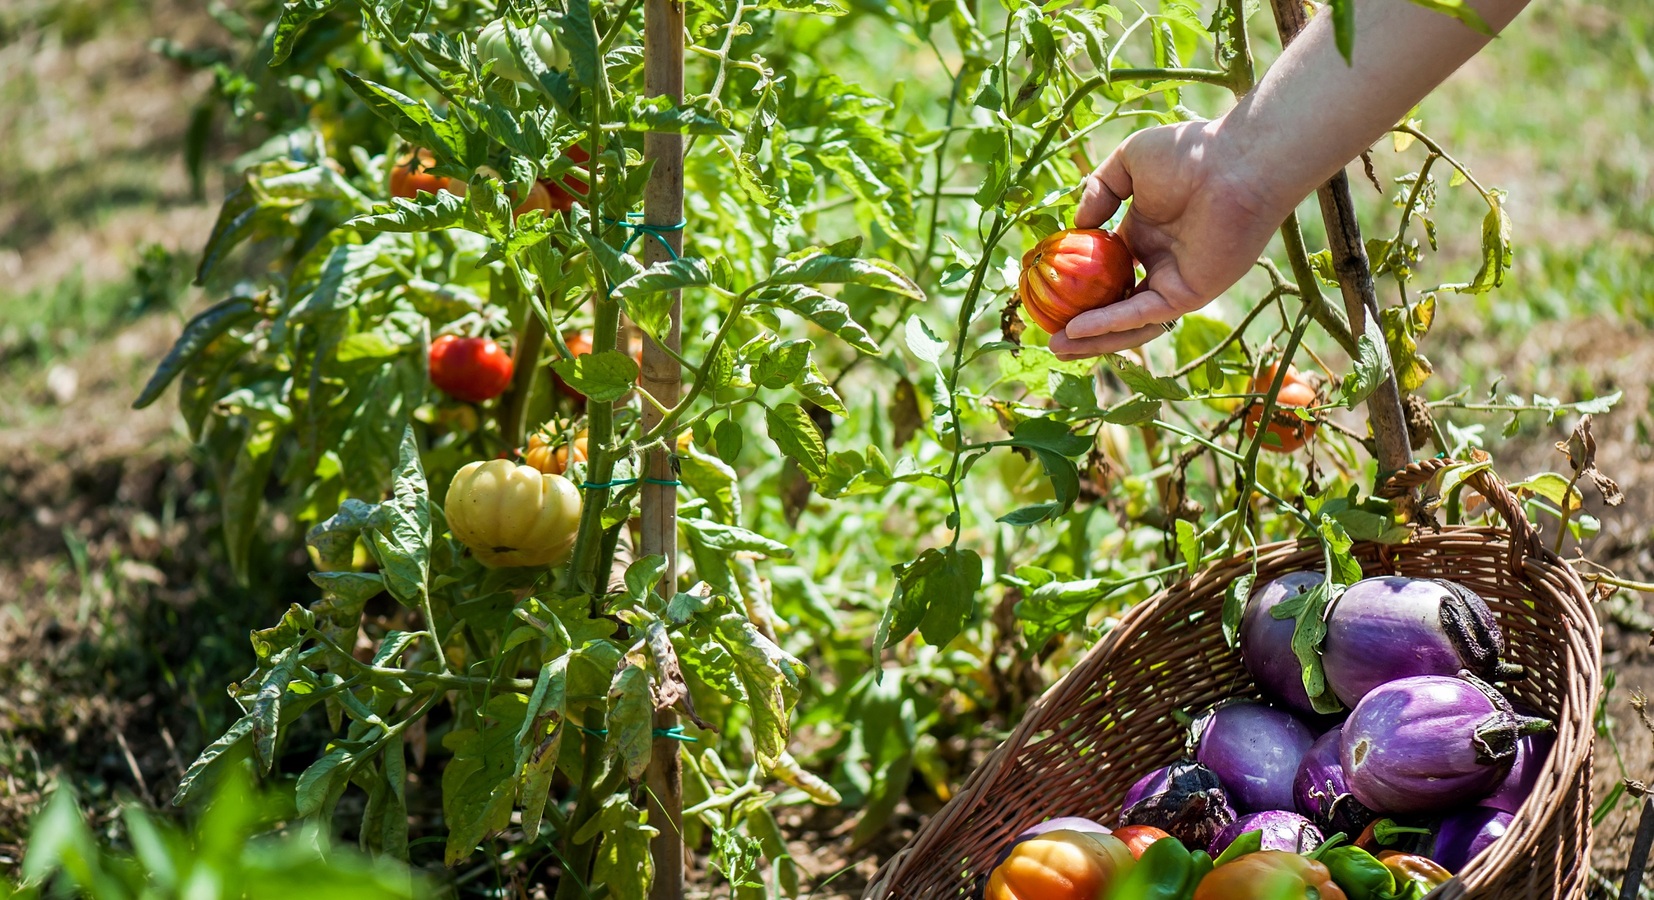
<point x="1168" y="325"/>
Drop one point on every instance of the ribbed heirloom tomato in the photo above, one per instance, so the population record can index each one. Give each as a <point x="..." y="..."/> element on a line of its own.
<point x="412" y="174"/>
<point x="1296" y="392"/>
<point x="472" y="369"/>
<point x="511" y="515"/>
<point x="494" y="46"/>
<point x="1072" y="271"/>
<point x="1267" y="875"/>
<point x="1059" y="865"/>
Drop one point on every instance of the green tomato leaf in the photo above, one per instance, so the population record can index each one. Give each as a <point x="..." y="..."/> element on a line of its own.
<point x="603" y="377"/>
<point x="796" y="435"/>
<point x="657" y="114"/>
<point x="1371" y="366"/>
<point x="734" y="539"/>
<point x="827" y="312"/>
<point x="819" y="266"/>
<point x="935" y="593"/>
<point x="198" y="333"/>
<point x="400" y="532"/>
<point x="1144" y="382"/>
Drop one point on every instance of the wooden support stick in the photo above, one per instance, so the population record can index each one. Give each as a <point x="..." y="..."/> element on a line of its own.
<point x="663" y="379"/>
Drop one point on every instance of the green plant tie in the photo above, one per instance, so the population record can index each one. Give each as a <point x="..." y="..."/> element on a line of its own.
<point x="674" y="733"/>
<point x="658" y="232"/>
<point x="600" y="485"/>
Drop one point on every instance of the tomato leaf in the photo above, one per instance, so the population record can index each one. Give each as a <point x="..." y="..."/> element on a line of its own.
<point x="818" y="266"/>
<point x="478" y="784"/>
<point x="935" y="593"/>
<point x="631" y="719"/>
<point x="657" y="114"/>
<point x="825" y="311"/>
<point x="622" y="861"/>
<point x="198" y="333"/>
<point x="1496" y="250"/>
<point x="796" y="435"/>
<point x="603" y="377"/>
<point x="413" y="119"/>
<point x="296" y="15"/>
<point x="242" y="497"/>
<point x="817" y="7"/>
<point x="781" y="365"/>
<point x="1141" y="380"/>
<point x="1235" y="597"/>
<point x="1402" y="328"/>
<point x="400" y="533"/>
<point x="1372" y="366"/>
<point x="734" y="539"/>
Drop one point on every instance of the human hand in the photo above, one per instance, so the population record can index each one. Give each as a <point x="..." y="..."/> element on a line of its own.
<point x="1197" y="222"/>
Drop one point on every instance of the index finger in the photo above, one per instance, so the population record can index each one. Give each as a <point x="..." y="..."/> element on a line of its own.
<point x="1105" y="189"/>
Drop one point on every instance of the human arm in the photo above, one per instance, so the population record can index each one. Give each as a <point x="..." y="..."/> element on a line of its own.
<point x="1209" y="195"/>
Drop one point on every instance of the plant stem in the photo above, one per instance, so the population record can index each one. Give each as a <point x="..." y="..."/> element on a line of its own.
<point x="599" y="416"/>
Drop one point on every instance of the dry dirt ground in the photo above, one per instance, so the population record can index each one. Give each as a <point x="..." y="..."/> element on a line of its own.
<point x="118" y="624"/>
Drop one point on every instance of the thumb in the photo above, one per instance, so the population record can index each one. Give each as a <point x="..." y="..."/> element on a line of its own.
<point x="1104" y="190"/>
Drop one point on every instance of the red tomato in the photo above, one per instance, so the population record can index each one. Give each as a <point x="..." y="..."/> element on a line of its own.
<point x="1072" y="271"/>
<point x="562" y="199"/>
<point x="469" y="369"/>
<point x="1296" y="391"/>
<point x="1139" y="837"/>
<point x="411" y="174"/>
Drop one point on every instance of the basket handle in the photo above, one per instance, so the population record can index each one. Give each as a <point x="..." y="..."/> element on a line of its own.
<point x="1525" y="542"/>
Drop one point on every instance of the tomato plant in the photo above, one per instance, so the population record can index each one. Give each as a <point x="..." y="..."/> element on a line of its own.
<point x="900" y="514"/>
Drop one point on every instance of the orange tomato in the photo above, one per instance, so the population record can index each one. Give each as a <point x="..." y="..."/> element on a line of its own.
<point x="411" y="174"/>
<point x="554" y="459"/>
<point x="1296" y="392"/>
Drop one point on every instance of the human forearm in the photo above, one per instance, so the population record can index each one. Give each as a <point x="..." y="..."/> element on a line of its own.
<point x="1314" y="112"/>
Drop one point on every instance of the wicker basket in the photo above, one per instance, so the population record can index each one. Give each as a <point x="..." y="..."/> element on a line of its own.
<point x="1108" y="721"/>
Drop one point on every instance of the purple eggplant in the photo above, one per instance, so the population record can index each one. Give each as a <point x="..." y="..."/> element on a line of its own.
<point x="1531" y="752"/>
<point x="1266" y="642"/>
<point x="1185" y="799"/>
<point x="1323" y="794"/>
<point x="1382" y="629"/>
<point x="1063" y="823"/>
<point x="1429" y="743"/>
<point x="1463" y="835"/>
<point x="1255" y="751"/>
<point x="1281" y="830"/>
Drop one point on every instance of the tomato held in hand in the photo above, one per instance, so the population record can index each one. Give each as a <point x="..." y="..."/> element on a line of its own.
<point x="1266" y="875"/>
<point x="469" y="369"/>
<point x="412" y="174"/>
<point x="1072" y="271"/>
<point x="1296" y="392"/>
<point x="511" y="515"/>
<point x="1059" y="865"/>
